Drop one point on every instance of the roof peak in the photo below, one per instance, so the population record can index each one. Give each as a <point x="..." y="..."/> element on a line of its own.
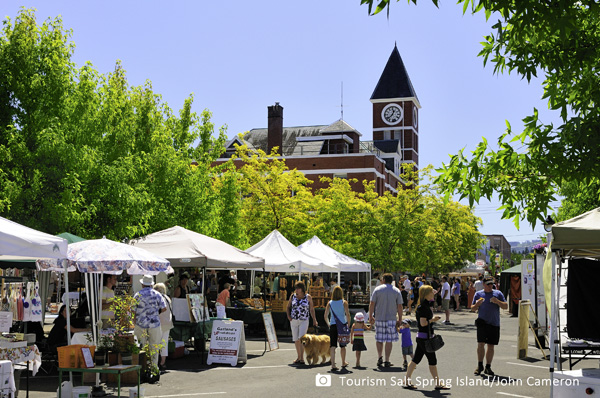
<point x="394" y="81"/>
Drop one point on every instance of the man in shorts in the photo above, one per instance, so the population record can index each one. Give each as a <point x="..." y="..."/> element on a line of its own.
<point x="446" y="299"/>
<point x="386" y="303"/>
<point x="487" y="303"/>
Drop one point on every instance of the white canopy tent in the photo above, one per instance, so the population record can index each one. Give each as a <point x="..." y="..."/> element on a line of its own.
<point x="316" y="248"/>
<point x="185" y="248"/>
<point x="20" y="242"/>
<point x="577" y="237"/>
<point x="282" y="256"/>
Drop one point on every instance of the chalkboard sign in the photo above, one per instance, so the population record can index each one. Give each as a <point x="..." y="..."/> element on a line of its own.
<point x="270" y="330"/>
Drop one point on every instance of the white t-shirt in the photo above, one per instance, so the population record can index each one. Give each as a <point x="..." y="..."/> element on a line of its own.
<point x="446" y="288"/>
<point x="478" y="285"/>
<point x="407" y="285"/>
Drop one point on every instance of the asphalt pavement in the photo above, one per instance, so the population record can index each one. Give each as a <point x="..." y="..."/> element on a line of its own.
<point x="272" y="375"/>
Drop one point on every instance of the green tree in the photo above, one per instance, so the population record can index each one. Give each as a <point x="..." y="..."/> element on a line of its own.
<point x="274" y="196"/>
<point x="86" y="152"/>
<point x="561" y="41"/>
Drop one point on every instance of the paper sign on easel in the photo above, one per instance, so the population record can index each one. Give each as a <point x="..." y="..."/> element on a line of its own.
<point x="270" y="330"/>
<point x="227" y="343"/>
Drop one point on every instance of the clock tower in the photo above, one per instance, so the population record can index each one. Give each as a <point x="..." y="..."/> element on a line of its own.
<point x="396" y="113"/>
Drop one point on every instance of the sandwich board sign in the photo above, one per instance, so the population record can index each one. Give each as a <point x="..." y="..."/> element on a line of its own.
<point x="270" y="330"/>
<point x="227" y="343"/>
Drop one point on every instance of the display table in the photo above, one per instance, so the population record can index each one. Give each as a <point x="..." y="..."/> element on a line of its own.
<point x="582" y="351"/>
<point x="102" y="370"/>
<point x="252" y="316"/>
<point x="183" y="331"/>
<point x="23" y="356"/>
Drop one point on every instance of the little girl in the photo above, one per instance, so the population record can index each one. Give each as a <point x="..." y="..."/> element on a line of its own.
<point x="357" y="336"/>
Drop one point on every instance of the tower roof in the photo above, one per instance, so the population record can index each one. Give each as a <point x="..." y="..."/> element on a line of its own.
<point x="394" y="81"/>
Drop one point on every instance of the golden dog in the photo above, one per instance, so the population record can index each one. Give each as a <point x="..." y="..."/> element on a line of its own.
<point x="315" y="346"/>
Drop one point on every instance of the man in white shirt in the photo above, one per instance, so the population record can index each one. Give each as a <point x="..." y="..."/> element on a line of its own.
<point x="376" y="281"/>
<point x="478" y="285"/>
<point x="409" y="293"/>
<point x="446" y="299"/>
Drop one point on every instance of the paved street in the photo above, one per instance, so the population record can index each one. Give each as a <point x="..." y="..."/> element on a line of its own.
<point x="272" y="376"/>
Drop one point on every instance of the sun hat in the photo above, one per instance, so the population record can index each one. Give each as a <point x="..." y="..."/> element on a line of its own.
<point x="406" y="321"/>
<point x="147" y="280"/>
<point x="359" y="317"/>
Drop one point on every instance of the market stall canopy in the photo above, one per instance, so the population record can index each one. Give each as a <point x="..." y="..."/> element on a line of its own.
<point x="316" y="248"/>
<point x="109" y="257"/>
<point x="185" y="248"/>
<point x="579" y="236"/>
<point x="282" y="256"/>
<point x="20" y="242"/>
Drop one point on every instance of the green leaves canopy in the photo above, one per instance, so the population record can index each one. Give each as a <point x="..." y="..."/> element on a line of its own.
<point x="87" y="153"/>
<point x="561" y="41"/>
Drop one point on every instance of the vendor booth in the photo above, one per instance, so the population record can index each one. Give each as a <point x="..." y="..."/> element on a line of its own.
<point x="189" y="249"/>
<point x="510" y="286"/>
<point x="571" y="275"/>
<point x="18" y="242"/>
<point x="316" y="248"/>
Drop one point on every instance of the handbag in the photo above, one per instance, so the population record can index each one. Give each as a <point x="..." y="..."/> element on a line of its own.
<point x="342" y="329"/>
<point x="432" y="344"/>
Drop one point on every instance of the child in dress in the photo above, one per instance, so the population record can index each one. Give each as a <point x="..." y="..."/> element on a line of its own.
<point x="407" y="345"/>
<point x="357" y="336"/>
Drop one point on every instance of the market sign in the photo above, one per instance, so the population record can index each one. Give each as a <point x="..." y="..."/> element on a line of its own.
<point x="270" y="331"/>
<point x="227" y="343"/>
<point x="480" y="263"/>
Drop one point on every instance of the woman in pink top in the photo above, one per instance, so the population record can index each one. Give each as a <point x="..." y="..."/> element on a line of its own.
<point x="223" y="298"/>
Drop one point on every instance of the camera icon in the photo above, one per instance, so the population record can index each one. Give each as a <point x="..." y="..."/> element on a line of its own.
<point x="322" y="380"/>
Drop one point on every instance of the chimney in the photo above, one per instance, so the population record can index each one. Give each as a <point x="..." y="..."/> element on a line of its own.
<point x="275" y="129"/>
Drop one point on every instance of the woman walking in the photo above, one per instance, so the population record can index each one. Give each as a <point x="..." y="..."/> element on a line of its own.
<point x="425" y="320"/>
<point x="300" y="306"/>
<point x="166" y="324"/>
<point x="339" y="310"/>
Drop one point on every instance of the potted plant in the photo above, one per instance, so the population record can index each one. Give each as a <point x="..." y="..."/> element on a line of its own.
<point x="124" y="309"/>
<point x="151" y="373"/>
<point x="127" y="355"/>
<point x="105" y="344"/>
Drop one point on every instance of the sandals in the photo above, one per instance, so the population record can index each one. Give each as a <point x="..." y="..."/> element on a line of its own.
<point x="387" y="364"/>
<point x="345" y="365"/>
<point x="409" y="386"/>
<point x="334" y="368"/>
<point x="299" y="362"/>
<point x="442" y="386"/>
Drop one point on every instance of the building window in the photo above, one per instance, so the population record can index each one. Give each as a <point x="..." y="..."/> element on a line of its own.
<point x="341" y="175"/>
<point x="387" y="135"/>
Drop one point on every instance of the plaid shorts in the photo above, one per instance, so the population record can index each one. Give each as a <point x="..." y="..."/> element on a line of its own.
<point x="385" y="332"/>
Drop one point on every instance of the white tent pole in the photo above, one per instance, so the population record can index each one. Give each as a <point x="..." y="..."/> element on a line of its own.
<point x="251" y="292"/>
<point x="554" y="305"/>
<point x="97" y="335"/>
<point x="68" y="303"/>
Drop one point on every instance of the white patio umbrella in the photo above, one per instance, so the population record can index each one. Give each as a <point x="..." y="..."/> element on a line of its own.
<point x="101" y="256"/>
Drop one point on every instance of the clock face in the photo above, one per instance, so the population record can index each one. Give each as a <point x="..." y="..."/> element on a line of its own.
<point x="415" y="116"/>
<point x="392" y="114"/>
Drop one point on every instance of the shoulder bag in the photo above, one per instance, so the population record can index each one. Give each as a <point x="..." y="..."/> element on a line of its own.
<point x="342" y="329"/>
<point x="432" y="344"/>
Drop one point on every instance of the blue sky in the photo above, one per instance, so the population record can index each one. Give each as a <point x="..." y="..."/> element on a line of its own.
<point x="239" y="57"/>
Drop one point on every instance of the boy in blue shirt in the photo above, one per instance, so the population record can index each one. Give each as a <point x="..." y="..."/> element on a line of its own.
<point x="407" y="345"/>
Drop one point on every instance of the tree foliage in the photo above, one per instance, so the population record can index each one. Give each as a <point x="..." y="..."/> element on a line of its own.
<point x="561" y="41"/>
<point x="87" y="153"/>
<point x="415" y="230"/>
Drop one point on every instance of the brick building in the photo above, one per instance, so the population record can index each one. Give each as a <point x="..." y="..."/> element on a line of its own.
<point x="336" y="150"/>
